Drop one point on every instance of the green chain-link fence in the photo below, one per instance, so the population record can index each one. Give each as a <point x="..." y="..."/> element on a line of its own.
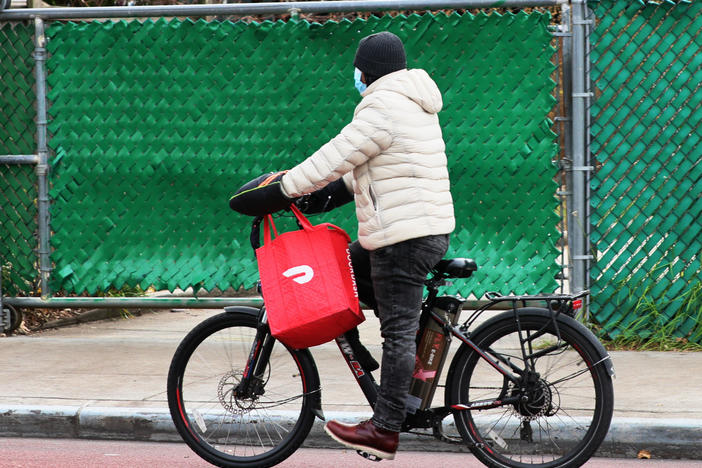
<point x="647" y="191"/>
<point x="17" y="182"/>
<point x="155" y="124"/>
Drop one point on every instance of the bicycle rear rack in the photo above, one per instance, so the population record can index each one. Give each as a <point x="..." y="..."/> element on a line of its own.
<point x="556" y="304"/>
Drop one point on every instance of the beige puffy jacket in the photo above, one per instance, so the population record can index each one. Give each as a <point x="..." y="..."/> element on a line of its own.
<point x="392" y="158"/>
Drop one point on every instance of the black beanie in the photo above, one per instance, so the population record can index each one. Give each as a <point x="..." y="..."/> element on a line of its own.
<point x="380" y="54"/>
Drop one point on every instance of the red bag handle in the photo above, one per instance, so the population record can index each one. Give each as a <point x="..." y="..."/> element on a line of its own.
<point x="268" y="223"/>
<point x="302" y="219"/>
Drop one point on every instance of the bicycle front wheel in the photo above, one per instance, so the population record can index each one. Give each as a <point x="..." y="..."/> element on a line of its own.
<point x="565" y="398"/>
<point x="228" y="430"/>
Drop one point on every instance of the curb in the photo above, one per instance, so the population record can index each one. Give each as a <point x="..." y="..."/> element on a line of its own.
<point x="85" y="422"/>
<point x="663" y="438"/>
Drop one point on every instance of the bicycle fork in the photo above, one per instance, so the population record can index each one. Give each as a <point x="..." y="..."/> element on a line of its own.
<point x="251" y="385"/>
<point x="253" y="380"/>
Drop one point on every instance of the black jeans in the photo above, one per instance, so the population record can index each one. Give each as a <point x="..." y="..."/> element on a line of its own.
<point x="391" y="280"/>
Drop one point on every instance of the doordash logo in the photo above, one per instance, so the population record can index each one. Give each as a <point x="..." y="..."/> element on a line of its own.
<point x="300" y="274"/>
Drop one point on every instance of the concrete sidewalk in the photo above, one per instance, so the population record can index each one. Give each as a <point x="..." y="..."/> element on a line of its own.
<point x="108" y="380"/>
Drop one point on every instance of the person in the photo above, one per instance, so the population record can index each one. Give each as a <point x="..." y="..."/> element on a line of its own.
<point x="390" y="160"/>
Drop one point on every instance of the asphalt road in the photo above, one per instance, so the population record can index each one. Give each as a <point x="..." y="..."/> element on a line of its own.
<point x="70" y="453"/>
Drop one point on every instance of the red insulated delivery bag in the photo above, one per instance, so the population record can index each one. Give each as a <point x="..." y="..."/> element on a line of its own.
<point x="307" y="283"/>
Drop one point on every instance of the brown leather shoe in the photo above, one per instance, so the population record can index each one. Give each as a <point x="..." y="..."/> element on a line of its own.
<point x="365" y="437"/>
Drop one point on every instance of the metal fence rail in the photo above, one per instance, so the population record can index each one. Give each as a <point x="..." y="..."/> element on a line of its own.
<point x="264" y="8"/>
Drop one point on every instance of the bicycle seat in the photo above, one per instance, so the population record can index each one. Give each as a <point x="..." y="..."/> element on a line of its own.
<point x="456" y="267"/>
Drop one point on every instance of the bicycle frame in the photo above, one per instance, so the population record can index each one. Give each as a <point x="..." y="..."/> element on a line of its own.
<point x="365" y="379"/>
<point x="556" y="304"/>
<point x="252" y="379"/>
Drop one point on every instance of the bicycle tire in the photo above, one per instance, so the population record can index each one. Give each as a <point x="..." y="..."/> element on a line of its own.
<point x="222" y="429"/>
<point x="570" y="409"/>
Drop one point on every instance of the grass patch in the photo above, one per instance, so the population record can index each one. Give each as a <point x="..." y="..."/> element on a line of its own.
<point x="657" y="324"/>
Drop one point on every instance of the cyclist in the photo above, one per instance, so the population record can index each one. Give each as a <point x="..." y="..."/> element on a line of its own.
<point x="390" y="160"/>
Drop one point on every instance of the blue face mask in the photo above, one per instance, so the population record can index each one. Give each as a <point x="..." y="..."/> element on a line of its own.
<point x="360" y="85"/>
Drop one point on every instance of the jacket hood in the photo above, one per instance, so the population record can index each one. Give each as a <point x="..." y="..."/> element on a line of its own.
<point x="416" y="84"/>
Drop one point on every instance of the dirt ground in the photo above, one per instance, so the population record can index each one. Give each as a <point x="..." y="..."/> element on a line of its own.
<point x="35" y="320"/>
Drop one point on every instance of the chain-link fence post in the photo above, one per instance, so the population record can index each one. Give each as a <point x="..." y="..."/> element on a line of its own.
<point x="42" y="168"/>
<point x="578" y="212"/>
<point x="567" y="133"/>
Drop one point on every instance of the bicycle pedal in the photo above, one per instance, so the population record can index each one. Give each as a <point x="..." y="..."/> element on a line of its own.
<point x="369" y="456"/>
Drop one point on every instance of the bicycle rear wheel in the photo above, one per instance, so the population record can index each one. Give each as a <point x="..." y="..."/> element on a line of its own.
<point x="566" y="409"/>
<point x="221" y="427"/>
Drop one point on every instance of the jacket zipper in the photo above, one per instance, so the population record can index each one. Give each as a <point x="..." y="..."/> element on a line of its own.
<point x="371" y="192"/>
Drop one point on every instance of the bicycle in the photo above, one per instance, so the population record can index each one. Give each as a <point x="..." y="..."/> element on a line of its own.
<point x="530" y="386"/>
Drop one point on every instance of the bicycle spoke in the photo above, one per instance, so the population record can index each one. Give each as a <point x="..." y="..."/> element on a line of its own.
<point x="578" y="373"/>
